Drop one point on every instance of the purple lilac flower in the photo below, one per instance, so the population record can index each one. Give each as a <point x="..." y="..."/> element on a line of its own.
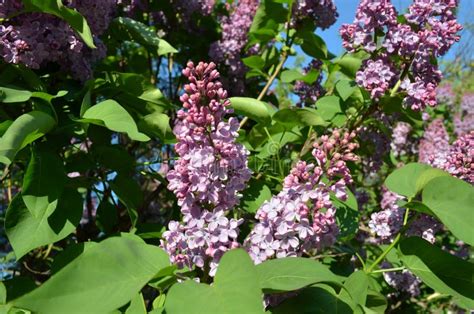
<point x="403" y="281"/>
<point x="309" y="93"/>
<point x="434" y="145"/>
<point x="322" y="12"/>
<point x="301" y="218"/>
<point x="8" y="7"/>
<point x="189" y="7"/>
<point x="376" y="77"/>
<point x="459" y="159"/>
<point x="209" y="174"/>
<point x="36" y="39"/>
<point x="464" y="119"/>
<point x="401" y="142"/>
<point x="445" y="94"/>
<point x="234" y="38"/>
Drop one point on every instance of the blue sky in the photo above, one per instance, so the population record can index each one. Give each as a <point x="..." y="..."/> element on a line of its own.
<point x="347" y="9"/>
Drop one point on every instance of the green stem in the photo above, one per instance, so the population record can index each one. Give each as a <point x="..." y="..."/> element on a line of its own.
<point x="386" y="270"/>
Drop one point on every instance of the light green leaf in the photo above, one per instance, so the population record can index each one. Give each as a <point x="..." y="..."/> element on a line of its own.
<point x="43" y="182"/>
<point x="24" y="130"/>
<point x="299" y="117"/>
<point x="254" y="62"/>
<point x="252" y="108"/>
<point x="345" y="88"/>
<point x="114" y="117"/>
<point x="349" y="65"/>
<point x="452" y="201"/>
<point x="443" y="272"/>
<point x="157" y="124"/>
<point x="356" y="287"/>
<point x="292" y="273"/>
<point x="102" y="279"/>
<point x="411" y="178"/>
<point x="328" y="106"/>
<point x="137" y="306"/>
<point x="165" y="48"/>
<point x="56" y="7"/>
<point x="235" y="290"/>
<point x="26" y="232"/>
<point x="10" y="95"/>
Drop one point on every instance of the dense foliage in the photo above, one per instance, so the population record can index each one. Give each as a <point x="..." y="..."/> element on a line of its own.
<point x="174" y="157"/>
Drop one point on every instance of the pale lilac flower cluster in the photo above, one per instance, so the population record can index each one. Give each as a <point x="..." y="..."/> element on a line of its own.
<point x="209" y="174"/>
<point x="389" y="221"/>
<point x="459" y="159"/>
<point x="301" y="218"/>
<point x="445" y="94"/>
<point x="35" y="39"/>
<point x="431" y="31"/>
<point x="229" y="48"/>
<point x="323" y="13"/>
<point x="402" y="143"/>
<point x="434" y="146"/>
<point x="403" y="280"/>
<point x="309" y="93"/>
<point x="464" y="119"/>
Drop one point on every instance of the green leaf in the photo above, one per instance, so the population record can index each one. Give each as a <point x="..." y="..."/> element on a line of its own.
<point x="157" y="124"/>
<point x="114" y="117"/>
<point x="235" y="289"/>
<point x="411" y="178"/>
<point x="356" y="287"/>
<point x="165" y="48"/>
<point x="292" y="273"/>
<point x="299" y="117"/>
<point x="438" y="269"/>
<point x="24" y="130"/>
<point x="317" y="299"/>
<point x="102" y="279"/>
<point x="347" y="215"/>
<point x="255" y="195"/>
<point x="328" y="106"/>
<point x="314" y="46"/>
<point x="452" y="200"/>
<point x="106" y="217"/>
<point x="376" y="303"/>
<point x="349" y="65"/>
<point x="137" y="306"/>
<point x="10" y="95"/>
<point x="69" y="254"/>
<point x="289" y="76"/>
<point x="56" y="7"/>
<point x="252" y="108"/>
<point x="254" y="62"/>
<point x="345" y="88"/>
<point x="3" y="293"/>
<point x="26" y="232"/>
<point x="129" y="193"/>
<point x="43" y="182"/>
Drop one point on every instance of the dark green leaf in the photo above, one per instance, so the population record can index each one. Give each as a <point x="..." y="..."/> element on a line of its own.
<point x="129" y="193"/>
<point x="158" y="125"/>
<point x="349" y="65"/>
<point x="254" y="196"/>
<point x="24" y="130"/>
<point x="114" y="117"/>
<point x="26" y="232"/>
<point x="137" y="305"/>
<point x="43" y="182"/>
<point x="356" y="287"/>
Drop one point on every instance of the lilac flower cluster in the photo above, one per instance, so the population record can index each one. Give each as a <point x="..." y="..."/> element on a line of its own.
<point x="309" y="93"/>
<point x="323" y="13"/>
<point x="189" y="7"/>
<point x="234" y="38"/>
<point x="431" y="31"/>
<point x="35" y="39"/>
<point x="459" y="159"/>
<point x="210" y="172"/>
<point x="464" y="119"/>
<point x="434" y="146"/>
<point x="402" y="143"/>
<point x="445" y="94"/>
<point x="301" y="218"/>
<point x="403" y="280"/>
<point x="389" y="221"/>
